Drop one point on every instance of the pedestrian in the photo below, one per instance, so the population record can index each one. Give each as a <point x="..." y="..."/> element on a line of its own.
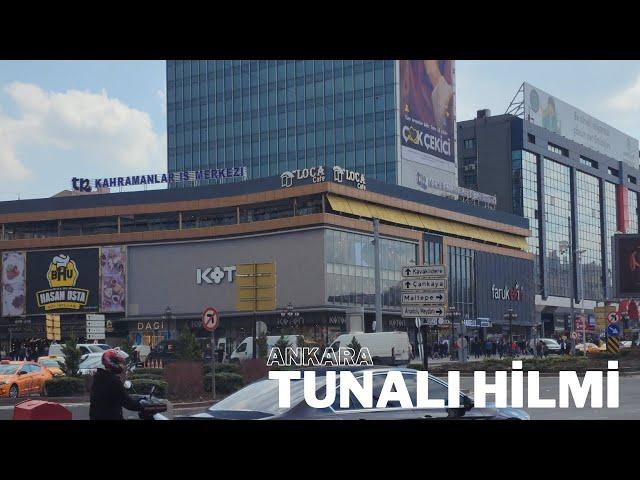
<point x="487" y="348"/>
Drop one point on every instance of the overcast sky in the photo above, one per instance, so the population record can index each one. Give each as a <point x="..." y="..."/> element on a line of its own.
<point x="105" y="118"/>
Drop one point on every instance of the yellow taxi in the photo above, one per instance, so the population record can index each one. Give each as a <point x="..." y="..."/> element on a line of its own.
<point x="22" y="378"/>
<point x="52" y="363"/>
<point x="591" y="348"/>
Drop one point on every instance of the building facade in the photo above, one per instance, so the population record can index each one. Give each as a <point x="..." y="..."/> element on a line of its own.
<point x="571" y="195"/>
<point x="152" y="261"/>
<point x="391" y="120"/>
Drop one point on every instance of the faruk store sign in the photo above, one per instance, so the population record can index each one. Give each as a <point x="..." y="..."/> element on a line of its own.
<point x="514" y="293"/>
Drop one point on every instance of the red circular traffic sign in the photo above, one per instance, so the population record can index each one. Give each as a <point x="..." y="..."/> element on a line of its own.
<point x="613" y="317"/>
<point x="210" y="319"/>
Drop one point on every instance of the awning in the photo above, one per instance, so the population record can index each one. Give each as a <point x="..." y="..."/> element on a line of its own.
<point x="363" y="209"/>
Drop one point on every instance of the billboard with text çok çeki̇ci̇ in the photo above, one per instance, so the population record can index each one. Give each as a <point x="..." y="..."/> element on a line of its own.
<point x="559" y="117"/>
<point x="427" y="125"/>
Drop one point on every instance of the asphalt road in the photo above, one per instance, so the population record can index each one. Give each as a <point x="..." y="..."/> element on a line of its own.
<point x="629" y="404"/>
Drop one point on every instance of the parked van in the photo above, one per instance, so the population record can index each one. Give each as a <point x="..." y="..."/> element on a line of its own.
<point x="381" y="345"/>
<point x="244" y="351"/>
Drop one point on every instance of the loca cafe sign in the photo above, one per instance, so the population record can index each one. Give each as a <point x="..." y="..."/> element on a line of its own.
<point x="319" y="175"/>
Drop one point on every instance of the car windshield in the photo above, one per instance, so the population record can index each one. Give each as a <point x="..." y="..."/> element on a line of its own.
<point x="262" y="396"/>
<point x="50" y="363"/>
<point x="8" y="369"/>
<point x="98" y="348"/>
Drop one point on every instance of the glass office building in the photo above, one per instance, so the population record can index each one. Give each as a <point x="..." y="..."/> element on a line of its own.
<point x="277" y="115"/>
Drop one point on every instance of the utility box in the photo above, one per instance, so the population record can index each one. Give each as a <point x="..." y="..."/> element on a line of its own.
<point x="40" y="410"/>
<point x="355" y="319"/>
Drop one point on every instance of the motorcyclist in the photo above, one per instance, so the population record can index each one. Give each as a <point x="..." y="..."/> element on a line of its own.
<point x="108" y="395"/>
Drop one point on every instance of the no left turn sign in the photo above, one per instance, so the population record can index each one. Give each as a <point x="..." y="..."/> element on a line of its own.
<point x="210" y="319"/>
<point x="612" y="317"/>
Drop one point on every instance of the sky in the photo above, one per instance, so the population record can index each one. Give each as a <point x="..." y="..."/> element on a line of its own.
<point x="60" y="119"/>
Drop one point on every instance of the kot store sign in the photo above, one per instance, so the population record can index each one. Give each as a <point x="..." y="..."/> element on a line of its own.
<point x="62" y="281"/>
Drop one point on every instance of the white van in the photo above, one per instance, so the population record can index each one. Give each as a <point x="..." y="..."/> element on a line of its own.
<point x="380" y="346"/>
<point x="244" y="351"/>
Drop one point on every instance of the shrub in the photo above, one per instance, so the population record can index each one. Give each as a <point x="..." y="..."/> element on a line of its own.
<point x="64" y="386"/>
<point x="226" y="382"/>
<point x="223" y="367"/>
<point x="72" y="356"/>
<point x="148" y="371"/>
<point x="148" y="376"/>
<point x="188" y="347"/>
<point x="143" y="386"/>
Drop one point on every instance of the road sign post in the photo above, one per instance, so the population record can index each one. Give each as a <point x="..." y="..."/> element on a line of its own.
<point x="210" y="321"/>
<point x="424" y="296"/>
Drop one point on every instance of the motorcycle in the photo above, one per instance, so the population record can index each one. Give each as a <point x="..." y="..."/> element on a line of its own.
<point x="151" y="407"/>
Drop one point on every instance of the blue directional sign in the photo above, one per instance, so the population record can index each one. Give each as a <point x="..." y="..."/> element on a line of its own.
<point x="613" y="330"/>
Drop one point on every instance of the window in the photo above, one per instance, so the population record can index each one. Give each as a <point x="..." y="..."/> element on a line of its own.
<point x="557" y="150"/>
<point x="531" y="138"/>
<point x="469" y="143"/>
<point x="632" y="179"/>
<point x="588" y="162"/>
<point x="613" y="172"/>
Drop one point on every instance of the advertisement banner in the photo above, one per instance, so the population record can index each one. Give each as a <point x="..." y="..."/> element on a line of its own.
<point x="62" y="281"/>
<point x="13" y="284"/>
<point x="113" y="266"/>
<point x="559" y="117"/>
<point x="427" y="121"/>
<point x="626" y="251"/>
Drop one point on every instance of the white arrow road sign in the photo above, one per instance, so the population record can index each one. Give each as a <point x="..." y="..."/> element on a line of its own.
<point x="425" y="284"/>
<point x="95" y="330"/>
<point x="95" y="323"/>
<point x="424" y="297"/>
<point x="424" y="271"/>
<point x="422" y="311"/>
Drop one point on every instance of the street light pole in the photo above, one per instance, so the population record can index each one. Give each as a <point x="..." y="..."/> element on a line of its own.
<point x="510" y="316"/>
<point x="452" y="314"/>
<point x="581" y="298"/>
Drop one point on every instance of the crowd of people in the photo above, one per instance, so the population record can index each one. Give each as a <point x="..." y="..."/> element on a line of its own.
<point x="492" y="347"/>
<point x="28" y="349"/>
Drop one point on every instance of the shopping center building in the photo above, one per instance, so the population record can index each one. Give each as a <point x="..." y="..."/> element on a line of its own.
<point x="152" y="261"/>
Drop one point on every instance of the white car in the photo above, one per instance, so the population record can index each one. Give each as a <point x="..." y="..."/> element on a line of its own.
<point x="553" y="347"/>
<point x="85" y="348"/>
<point x="90" y="362"/>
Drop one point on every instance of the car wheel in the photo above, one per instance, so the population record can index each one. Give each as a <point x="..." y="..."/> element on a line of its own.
<point x="13" y="391"/>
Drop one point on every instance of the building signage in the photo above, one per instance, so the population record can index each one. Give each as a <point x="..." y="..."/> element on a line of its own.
<point x="514" y="293"/>
<point x="420" y="297"/>
<point x="319" y="175"/>
<point x="423" y="271"/>
<point x="88" y="185"/>
<point x="626" y="250"/>
<point x="13" y="284"/>
<point x="215" y="275"/>
<point x="425" y="284"/>
<point x="113" y="267"/>
<point x="62" y="280"/>
<point x="151" y="326"/>
<point x="559" y="117"/>
<point x="422" y="311"/>
<point x="444" y="189"/>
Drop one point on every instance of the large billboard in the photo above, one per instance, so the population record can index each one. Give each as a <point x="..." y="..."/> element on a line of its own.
<point x="113" y="274"/>
<point x="64" y="280"/>
<point x="626" y="255"/>
<point x="13" y="284"/>
<point x="553" y="114"/>
<point x="427" y="123"/>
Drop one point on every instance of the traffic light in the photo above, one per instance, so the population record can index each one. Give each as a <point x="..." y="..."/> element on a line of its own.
<point x="53" y="327"/>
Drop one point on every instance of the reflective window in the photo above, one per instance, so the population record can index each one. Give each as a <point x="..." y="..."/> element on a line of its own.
<point x="525" y="201"/>
<point x="611" y="223"/>
<point x="337" y="106"/>
<point x="589" y="235"/>
<point x="632" y="202"/>
<point x="148" y="222"/>
<point x="461" y="283"/>
<point x="350" y="268"/>
<point x="557" y="204"/>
